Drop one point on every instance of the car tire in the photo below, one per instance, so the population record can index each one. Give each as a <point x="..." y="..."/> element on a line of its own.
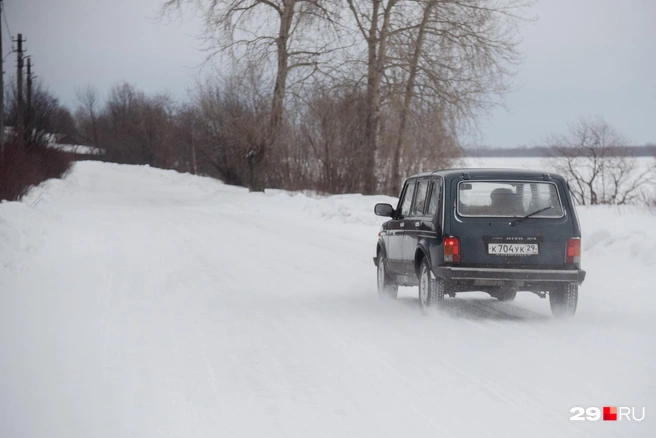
<point x="563" y="300"/>
<point x="506" y="295"/>
<point x="431" y="290"/>
<point x="386" y="287"/>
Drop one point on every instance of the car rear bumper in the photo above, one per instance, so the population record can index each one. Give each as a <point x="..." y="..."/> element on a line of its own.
<point x="528" y="275"/>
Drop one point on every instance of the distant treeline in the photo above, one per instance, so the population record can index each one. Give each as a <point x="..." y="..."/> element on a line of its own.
<point x="544" y="151"/>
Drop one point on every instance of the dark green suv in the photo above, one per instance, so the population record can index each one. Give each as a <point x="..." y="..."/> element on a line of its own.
<point x="498" y="231"/>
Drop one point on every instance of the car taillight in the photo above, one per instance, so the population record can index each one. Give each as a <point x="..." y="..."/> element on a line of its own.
<point x="573" y="254"/>
<point x="452" y="249"/>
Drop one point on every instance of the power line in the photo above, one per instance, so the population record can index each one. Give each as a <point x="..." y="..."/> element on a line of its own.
<point x="2" y="5"/>
<point x="4" y="15"/>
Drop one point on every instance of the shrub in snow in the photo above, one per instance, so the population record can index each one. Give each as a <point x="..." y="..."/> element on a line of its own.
<point x="25" y="167"/>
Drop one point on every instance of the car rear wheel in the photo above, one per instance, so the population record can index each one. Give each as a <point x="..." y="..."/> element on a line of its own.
<point x="386" y="287"/>
<point x="563" y="300"/>
<point x="506" y="295"/>
<point x="431" y="290"/>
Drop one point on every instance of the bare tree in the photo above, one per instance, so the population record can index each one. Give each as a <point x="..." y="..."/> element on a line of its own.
<point x="47" y="117"/>
<point x="231" y="116"/>
<point x="87" y="114"/>
<point x="453" y="55"/>
<point x="373" y="21"/>
<point x="432" y="142"/>
<point x="257" y="30"/>
<point x="185" y="126"/>
<point x="409" y="58"/>
<point x="121" y="119"/>
<point x="135" y="128"/>
<point x="409" y="91"/>
<point x="458" y="54"/>
<point x="331" y="127"/>
<point x="597" y="161"/>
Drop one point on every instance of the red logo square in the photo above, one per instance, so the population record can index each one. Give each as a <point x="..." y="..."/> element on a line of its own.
<point x="610" y="413"/>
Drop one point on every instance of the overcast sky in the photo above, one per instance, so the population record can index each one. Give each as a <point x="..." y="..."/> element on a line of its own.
<point x="583" y="58"/>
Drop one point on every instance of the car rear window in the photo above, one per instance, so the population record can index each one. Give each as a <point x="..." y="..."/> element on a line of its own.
<point x="508" y="199"/>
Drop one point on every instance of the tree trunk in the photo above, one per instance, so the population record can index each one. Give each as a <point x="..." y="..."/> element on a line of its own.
<point x="94" y="130"/>
<point x="373" y="102"/>
<point x="377" y="46"/>
<point x="395" y="182"/>
<point x="257" y="154"/>
<point x="194" y="164"/>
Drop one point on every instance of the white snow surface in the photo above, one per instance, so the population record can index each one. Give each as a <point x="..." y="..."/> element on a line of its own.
<point x="77" y="148"/>
<point x="137" y="302"/>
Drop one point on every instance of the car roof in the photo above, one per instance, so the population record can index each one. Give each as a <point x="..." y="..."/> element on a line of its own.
<point x="477" y="173"/>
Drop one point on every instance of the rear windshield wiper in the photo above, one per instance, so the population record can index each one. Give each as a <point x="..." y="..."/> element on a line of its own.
<point x="523" y="218"/>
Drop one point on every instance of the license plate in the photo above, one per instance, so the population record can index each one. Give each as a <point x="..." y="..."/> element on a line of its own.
<point x="512" y="249"/>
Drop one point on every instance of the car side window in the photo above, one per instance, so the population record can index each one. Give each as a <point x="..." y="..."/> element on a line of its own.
<point x="434" y="201"/>
<point x="407" y="199"/>
<point x="420" y="199"/>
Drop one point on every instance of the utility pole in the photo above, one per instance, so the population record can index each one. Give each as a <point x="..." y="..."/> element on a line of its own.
<point x="28" y="116"/>
<point x="19" y="83"/>
<point x="2" y="95"/>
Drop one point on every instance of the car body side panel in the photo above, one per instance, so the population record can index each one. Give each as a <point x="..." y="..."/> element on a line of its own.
<point x="414" y="228"/>
<point x="425" y="233"/>
<point x="394" y="245"/>
<point x="420" y="231"/>
<point x="394" y="234"/>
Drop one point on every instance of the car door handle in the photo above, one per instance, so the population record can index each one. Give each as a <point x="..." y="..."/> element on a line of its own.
<point x="402" y="225"/>
<point x="417" y="224"/>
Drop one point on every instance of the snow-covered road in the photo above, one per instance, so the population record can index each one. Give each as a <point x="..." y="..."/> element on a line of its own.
<point x="136" y="302"/>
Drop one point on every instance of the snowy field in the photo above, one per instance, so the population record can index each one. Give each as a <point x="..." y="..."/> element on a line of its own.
<point x="136" y="302"/>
